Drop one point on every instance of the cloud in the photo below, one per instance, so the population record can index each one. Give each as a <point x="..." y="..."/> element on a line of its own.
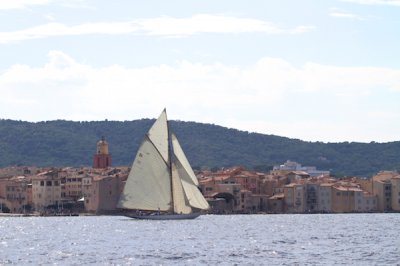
<point x="375" y="2"/>
<point x="302" y="29"/>
<point x="163" y="26"/>
<point x="337" y="13"/>
<point x="311" y="102"/>
<point x="205" y="23"/>
<point x="21" y="4"/>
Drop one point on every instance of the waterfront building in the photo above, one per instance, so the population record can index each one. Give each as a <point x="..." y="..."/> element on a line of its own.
<point x="276" y="203"/>
<point x="72" y="185"/>
<point x="15" y="194"/>
<point x="325" y="197"/>
<point x="46" y="190"/>
<point x="260" y="203"/>
<point x="102" y="158"/>
<point x="342" y="198"/>
<point x="245" y="202"/>
<point x="382" y="188"/>
<point x="103" y="194"/>
<point x="295" y="197"/>
<point x="396" y="193"/>
<point x="222" y="192"/>
<point x="3" y="184"/>
<point x="364" y="201"/>
<point x="86" y="188"/>
<point x="219" y="206"/>
<point x="312" y="193"/>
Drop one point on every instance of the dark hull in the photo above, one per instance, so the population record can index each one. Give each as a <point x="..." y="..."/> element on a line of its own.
<point x="165" y="216"/>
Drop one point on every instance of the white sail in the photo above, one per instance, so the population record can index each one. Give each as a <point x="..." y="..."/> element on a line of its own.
<point x="181" y="204"/>
<point x="192" y="192"/>
<point x="158" y="134"/>
<point x="182" y="159"/>
<point x="188" y="178"/>
<point x="148" y="185"/>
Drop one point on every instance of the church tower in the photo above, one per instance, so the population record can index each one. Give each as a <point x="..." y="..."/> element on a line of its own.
<point x="102" y="159"/>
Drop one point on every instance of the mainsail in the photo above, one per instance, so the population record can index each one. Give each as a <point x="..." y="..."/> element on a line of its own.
<point x="161" y="178"/>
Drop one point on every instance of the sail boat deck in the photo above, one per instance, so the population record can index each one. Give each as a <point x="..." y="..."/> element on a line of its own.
<point x="156" y="216"/>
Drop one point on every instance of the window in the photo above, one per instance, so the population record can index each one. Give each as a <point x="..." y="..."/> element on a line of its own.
<point x="56" y="183"/>
<point x="42" y="183"/>
<point x="48" y="183"/>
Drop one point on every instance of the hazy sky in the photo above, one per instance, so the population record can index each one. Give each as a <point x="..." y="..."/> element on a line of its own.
<point x="314" y="70"/>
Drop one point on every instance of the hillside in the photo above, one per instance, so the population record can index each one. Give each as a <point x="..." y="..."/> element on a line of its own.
<point x="67" y="143"/>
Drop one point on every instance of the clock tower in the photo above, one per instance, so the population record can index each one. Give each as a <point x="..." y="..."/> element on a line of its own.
<point x="102" y="159"/>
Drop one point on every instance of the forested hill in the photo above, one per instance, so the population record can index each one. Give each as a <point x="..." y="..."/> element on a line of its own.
<point x="66" y="143"/>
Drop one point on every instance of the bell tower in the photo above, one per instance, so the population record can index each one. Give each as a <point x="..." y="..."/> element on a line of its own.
<point x="102" y="159"/>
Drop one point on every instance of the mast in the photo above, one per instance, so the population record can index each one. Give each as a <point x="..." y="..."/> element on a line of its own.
<point x="170" y="154"/>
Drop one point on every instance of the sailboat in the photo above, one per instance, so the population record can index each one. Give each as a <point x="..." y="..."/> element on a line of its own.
<point x="161" y="184"/>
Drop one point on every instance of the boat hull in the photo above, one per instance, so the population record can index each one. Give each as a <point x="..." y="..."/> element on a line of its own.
<point x="165" y="216"/>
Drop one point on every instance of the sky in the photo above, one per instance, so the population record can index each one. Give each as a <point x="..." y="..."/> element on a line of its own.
<point x="313" y="70"/>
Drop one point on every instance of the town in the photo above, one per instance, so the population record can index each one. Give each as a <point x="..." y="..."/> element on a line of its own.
<point x="287" y="188"/>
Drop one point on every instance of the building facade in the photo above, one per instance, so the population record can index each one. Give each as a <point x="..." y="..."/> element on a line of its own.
<point x="103" y="194"/>
<point x="46" y="190"/>
<point x="396" y="193"/>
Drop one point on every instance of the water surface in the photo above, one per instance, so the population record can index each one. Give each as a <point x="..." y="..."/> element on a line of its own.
<point x="318" y="239"/>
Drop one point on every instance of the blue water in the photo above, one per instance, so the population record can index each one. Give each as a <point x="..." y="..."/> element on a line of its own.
<point x="325" y="239"/>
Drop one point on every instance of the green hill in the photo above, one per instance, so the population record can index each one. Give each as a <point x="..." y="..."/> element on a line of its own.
<point x="67" y="143"/>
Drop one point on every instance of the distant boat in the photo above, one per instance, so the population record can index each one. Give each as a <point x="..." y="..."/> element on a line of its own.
<point x="161" y="184"/>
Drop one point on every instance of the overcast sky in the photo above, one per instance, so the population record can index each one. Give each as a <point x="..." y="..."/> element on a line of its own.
<point x="313" y="70"/>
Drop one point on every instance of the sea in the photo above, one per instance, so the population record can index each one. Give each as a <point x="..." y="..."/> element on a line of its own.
<point x="264" y="239"/>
